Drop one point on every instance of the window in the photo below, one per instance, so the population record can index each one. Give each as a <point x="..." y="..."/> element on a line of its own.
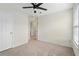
<point x="76" y="25"/>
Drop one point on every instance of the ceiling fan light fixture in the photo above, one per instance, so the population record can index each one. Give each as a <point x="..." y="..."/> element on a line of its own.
<point x="34" y="11"/>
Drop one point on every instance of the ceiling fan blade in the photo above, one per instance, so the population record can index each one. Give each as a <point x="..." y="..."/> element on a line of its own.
<point x="41" y="8"/>
<point x="39" y="4"/>
<point x="33" y="4"/>
<point x="28" y="7"/>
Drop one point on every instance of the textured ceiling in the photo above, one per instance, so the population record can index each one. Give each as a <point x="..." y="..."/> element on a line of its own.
<point x="52" y="8"/>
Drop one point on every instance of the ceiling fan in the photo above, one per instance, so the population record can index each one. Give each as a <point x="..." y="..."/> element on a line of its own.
<point x="35" y="6"/>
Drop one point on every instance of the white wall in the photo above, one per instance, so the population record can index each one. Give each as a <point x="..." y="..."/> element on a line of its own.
<point x="56" y="28"/>
<point x="14" y="30"/>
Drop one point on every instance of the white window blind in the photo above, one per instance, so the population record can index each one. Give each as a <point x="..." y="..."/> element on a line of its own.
<point x="76" y="25"/>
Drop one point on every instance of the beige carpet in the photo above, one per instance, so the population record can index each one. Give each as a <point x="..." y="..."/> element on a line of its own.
<point x="38" y="48"/>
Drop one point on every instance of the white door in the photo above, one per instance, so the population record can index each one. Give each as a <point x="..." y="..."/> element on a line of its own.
<point x="5" y="31"/>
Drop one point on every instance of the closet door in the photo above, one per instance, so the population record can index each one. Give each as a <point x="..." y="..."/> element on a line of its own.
<point x="5" y="31"/>
<point x="20" y="30"/>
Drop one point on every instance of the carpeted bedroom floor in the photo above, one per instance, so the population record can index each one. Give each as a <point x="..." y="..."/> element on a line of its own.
<point x="38" y="48"/>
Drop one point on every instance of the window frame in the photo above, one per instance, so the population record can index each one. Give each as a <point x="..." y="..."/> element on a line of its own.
<point x="76" y="25"/>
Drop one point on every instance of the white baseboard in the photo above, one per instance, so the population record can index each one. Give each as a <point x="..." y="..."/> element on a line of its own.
<point x="16" y="45"/>
<point x="63" y="43"/>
